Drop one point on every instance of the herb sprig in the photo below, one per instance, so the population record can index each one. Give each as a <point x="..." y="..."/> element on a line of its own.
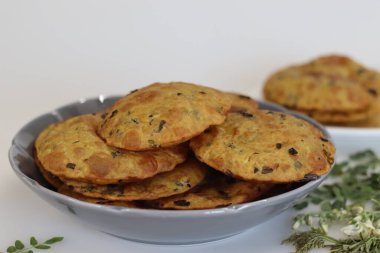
<point x="352" y="201"/>
<point x="19" y="247"/>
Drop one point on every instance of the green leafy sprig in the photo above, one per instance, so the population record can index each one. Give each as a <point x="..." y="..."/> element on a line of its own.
<point x="316" y="238"/>
<point x="19" y="247"/>
<point x="352" y="202"/>
<point x="358" y="183"/>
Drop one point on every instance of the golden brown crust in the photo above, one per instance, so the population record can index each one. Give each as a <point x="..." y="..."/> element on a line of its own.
<point x="241" y="102"/>
<point x="72" y="150"/>
<point x="372" y="121"/>
<point x="337" y="117"/>
<point x="186" y="176"/>
<point x="51" y="179"/>
<point x="332" y="65"/>
<point x="345" y="67"/>
<point x="66" y="190"/>
<point x="304" y="89"/>
<point x="332" y="89"/>
<point x="220" y="192"/>
<point x="369" y="79"/>
<point x="162" y="115"/>
<point x="265" y="146"/>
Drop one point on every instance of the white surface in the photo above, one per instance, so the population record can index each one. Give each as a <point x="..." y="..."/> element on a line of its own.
<point x="54" y="52"/>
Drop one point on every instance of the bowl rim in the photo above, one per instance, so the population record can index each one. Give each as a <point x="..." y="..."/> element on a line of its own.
<point x="232" y="209"/>
<point x="358" y="131"/>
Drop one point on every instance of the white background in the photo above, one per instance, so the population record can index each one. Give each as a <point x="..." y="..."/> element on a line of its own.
<point x="55" y="52"/>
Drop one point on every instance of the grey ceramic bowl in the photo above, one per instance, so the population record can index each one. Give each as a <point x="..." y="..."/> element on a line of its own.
<point x="144" y="225"/>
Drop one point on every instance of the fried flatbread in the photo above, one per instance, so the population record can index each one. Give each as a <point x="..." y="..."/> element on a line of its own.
<point x="183" y="178"/>
<point x="265" y="146"/>
<point x="314" y="91"/>
<point x="220" y="192"/>
<point x="71" y="149"/>
<point x="162" y="115"/>
<point x="66" y="190"/>
<point x="241" y="102"/>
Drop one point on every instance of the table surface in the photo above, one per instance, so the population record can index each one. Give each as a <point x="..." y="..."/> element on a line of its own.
<point x="53" y="53"/>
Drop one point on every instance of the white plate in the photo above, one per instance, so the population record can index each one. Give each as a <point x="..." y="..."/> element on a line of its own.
<point x="349" y="140"/>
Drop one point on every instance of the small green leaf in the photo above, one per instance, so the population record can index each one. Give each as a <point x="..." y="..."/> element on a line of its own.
<point x="19" y="245"/>
<point x="301" y="205"/>
<point x="338" y="168"/>
<point x="42" y="246"/>
<point x="54" y="240"/>
<point x="11" y="249"/>
<point x="315" y="200"/>
<point x="33" y="241"/>
<point x="30" y="251"/>
<point x="361" y="155"/>
<point x="326" y="206"/>
<point x="338" y="204"/>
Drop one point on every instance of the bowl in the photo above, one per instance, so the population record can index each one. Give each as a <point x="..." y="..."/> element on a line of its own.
<point x="349" y="140"/>
<point x="147" y="225"/>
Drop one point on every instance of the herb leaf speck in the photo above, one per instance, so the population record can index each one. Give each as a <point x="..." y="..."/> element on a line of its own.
<point x="113" y="113"/>
<point x="161" y="126"/>
<point x="266" y="170"/>
<point x="293" y="151"/>
<point x="71" y="165"/>
<point x="181" y="202"/>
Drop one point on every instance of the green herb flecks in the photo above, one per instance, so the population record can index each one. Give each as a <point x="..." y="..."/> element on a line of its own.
<point x="19" y="247"/>
<point x="351" y="203"/>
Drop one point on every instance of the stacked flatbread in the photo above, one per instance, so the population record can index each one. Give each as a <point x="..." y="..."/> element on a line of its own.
<point x="180" y="146"/>
<point x="332" y="89"/>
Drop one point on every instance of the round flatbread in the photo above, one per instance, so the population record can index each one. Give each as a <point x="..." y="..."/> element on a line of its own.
<point x="265" y="146"/>
<point x="369" y="79"/>
<point x="50" y="178"/>
<point x="342" y="117"/>
<point x="162" y="115"/>
<point x="241" y="102"/>
<point x="347" y="68"/>
<point x="183" y="178"/>
<point x="220" y="192"/>
<point x="343" y="66"/>
<point x="333" y="65"/>
<point x="66" y="190"/>
<point x="72" y="150"/>
<point x="372" y="121"/>
<point x="314" y="91"/>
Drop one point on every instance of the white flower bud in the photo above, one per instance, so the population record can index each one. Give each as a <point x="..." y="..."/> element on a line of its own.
<point x="357" y="209"/>
<point x="309" y="220"/>
<point x="296" y="225"/>
<point x="325" y="227"/>
<point x="357" y="218"/>
<point x="368" y="224"/>
<point x="377" y="224"/>
<point x="376" y="232"/>
<point x="351" y="230"/>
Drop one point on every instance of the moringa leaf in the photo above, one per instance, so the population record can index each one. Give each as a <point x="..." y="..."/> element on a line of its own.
<point x="11" y="249"/>
<point x="19" y="245"/>
<point x="54" y="240"/>
<point x="42" y="246"/>
<point x="33" y="241"/>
